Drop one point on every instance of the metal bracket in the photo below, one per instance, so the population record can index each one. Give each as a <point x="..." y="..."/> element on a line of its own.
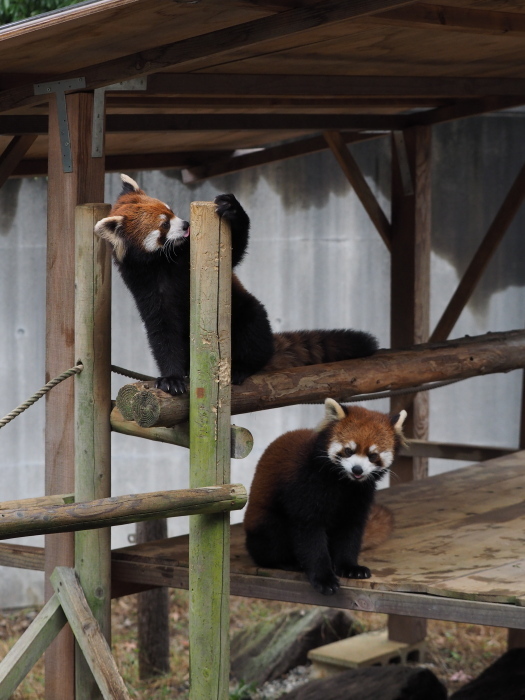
<point x="99" y="109"/>
<point x="60" y="87"/>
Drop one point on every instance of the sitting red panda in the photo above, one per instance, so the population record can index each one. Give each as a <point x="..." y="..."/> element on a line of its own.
<point x="311" y="500"/>
<point x="151" y="250"/>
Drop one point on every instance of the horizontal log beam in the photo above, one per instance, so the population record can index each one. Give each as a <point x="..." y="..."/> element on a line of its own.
<point x="38" y="502"/>
<point x="386" y="370"/>
<point x="119" y="510"/>
<point x="451" y="450"/>
<point x="21" y="556"/>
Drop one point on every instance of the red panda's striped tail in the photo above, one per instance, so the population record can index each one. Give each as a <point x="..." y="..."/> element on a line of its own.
<point x="300" y="348"/>
<point x="379" y="526"/>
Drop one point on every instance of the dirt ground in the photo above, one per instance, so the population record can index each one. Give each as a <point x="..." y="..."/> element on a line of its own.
<point x="456" y="652"/>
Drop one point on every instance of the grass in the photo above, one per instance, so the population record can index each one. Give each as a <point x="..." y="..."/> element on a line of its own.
<point x="456" y="652"/>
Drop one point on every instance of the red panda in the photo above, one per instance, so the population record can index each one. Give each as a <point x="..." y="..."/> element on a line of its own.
<point x="311" y="500"/>
<point x="151" y="250"/>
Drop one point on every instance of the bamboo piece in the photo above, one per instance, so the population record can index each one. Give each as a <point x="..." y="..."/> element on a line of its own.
<point x="93" y="432"/>
<point x="241" y="438"/>
<point x="210" y="403"/>
<point x="482" y="257"/>
<point x="88" y="634"/>
<point x="21" y="658"/>
<point x="119" y="510"/>
<point x="65" y="191"/>
<point x="455" y="359"/>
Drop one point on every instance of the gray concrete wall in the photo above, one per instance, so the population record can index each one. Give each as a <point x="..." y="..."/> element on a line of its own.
<point x="315" y="260"/>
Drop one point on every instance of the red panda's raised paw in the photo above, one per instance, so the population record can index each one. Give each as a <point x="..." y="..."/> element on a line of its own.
<point x="226" y="205"/>
<point x="173" y="385"/>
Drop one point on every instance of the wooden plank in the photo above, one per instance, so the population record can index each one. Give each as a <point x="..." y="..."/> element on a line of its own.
<point x="448" y="450"/>
<point x="183" y="52"/>
<point x="88" y="634"/>
<point x="503" y="219"/>
<point x="241" y="438"/>
<point x="119" y="510"/>
<point x="263" y="156"/>
<point x="13" y="154"/>
<point x="152" y="612"/>
<point x="21" y="556"/>
<point x="65" y="191"/>
<point x="92" y="431"/>
<point x="450" y="18"/>
<point x="210" y="399"/>
<point x="355" y="177"/>
<point x="38" y="502"/>
<point x="468" y="357"/>
<point x="464" y="109"/>
<point x="21" y="658"/>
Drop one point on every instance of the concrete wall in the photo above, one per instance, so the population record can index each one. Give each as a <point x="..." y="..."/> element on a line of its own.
<point x="315" y="260"/>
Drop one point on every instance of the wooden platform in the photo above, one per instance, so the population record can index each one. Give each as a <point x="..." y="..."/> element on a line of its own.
<point x="458" y="553"/>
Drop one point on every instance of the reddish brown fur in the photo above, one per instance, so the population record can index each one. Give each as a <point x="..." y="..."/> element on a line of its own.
<point x="379" y="526"/>
<point x="142" y="214"/>
<point x="366" y="428"/>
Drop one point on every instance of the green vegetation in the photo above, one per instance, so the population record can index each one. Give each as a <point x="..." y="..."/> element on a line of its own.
<point x="13" y="10"/>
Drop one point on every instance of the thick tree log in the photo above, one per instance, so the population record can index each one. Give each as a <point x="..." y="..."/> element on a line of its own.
<point x="388" y="369"/>
<point x="119" y="510"/>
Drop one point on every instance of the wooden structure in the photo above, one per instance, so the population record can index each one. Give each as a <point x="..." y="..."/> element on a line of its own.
<point x="287" y="78"/>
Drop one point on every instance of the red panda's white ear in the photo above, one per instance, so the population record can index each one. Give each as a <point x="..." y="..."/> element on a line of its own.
<point x="107" y="229"/>
<point x="333" y="412"/>
<point x="128" y="185"/>
<point x="398" y="420"/>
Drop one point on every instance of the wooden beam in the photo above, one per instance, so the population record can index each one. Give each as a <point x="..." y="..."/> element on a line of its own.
<point x="120" y="510"/>
<point x="355" y="177"/>
<point x="464" y="19"/>
<point x="65" y="191"/>
<point x="13" y="154"/>
<point x="212" y="44"/>
<point x="464" y="109"/>
<point x="388" y="369"/>
<point x="210" y="449"/>
<point x="88" y="634"/>
<point x="263" y="156"/>
<point x="21" y="556"/>
<point x="449" y="450"/>
<point x="482" y="257"/>
<point x="21" y="658"/>
<point x="259" y="86"/>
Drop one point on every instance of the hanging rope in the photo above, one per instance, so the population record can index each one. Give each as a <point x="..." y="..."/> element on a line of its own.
<point x="38" y="394"/>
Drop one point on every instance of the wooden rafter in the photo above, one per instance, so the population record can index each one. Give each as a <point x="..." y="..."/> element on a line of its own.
<point x="465" y="108"/>
<point x="482" y="257"/>
<point x="355" y="177"/>
<point x="13" y="154"/>
<point x="183" y="52"/>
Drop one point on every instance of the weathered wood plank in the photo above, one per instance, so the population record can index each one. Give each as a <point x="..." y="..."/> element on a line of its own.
<point x="119" y="510"/>
<point x="210" y="400"/>
<point x="88" y="634"/>
<point x="355" y="177"/>
<point x="21" y="658"/>
<point x="482" y="257"/>
<point x="468" y="357"/>
<point x="449" y="450"/>
<point x="38" y="502"/>
<point x="92" y="430"/>
<point x="13" y="154"/>
<point x="21" y="556"/>
<point x="241" y="438"/>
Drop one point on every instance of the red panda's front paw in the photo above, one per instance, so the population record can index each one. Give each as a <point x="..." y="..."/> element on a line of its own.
<point x="326" y="584"/>
<point x="227" y="205"/>
<point x="173" y="384"/>
<point x="355" y="571"/>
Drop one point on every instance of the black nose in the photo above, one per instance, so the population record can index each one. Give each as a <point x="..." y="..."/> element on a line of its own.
<point x="357" y="470"/>
<point x="185" y="225"/>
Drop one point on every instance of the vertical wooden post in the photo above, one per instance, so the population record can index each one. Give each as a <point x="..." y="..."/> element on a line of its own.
<point x="65" y="191"/>
<point x="93" y="430"/>
<point x="153" y="612"/>
<point x="410" y="308"/>
<point x="210" y="370"/>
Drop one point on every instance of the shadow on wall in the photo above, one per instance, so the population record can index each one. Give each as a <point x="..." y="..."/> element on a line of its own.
<point x="9" y="204"/>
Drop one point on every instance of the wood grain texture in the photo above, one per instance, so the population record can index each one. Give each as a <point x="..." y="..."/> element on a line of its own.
<point x="13" y="154"/>
<point x="456" y="544"/>
<point x="65" y="191"/>
<point x="462" y="358"/>
<point x="210" y="449"/>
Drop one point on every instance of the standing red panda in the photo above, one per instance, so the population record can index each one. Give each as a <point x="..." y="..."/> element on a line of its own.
<point x="311" y="500"/>
<point x="151" y="250"/>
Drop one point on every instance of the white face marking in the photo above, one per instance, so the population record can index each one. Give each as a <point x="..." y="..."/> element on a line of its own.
<point x="334" y="449"/>
<point x="177" y="232"/>
<point x="348" y="463"/>
<point x="387" y="458"/>
<point x="151" y="242"/>
<point x="352" y="445"/>
<point x="372" y="448"/>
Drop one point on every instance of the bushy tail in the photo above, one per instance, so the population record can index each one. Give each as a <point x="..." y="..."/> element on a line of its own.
<point x="378" y="527"/>
<point x="300" y="348"/>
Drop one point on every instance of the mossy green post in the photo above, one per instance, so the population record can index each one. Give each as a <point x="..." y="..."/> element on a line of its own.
<point x="210" y="370"/>
<point x="92" y="427"/>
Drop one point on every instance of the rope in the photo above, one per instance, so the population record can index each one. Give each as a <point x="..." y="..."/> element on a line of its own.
<point x="38" y="394"/>
<point x="130" y="374"/>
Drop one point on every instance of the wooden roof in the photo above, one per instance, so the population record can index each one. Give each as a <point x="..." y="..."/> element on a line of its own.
<point x="243" y="74"/>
